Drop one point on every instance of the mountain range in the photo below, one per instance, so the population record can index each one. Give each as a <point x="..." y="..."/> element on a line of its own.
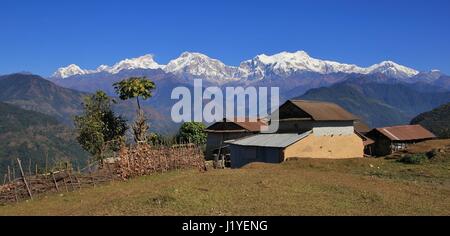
<point x="356" y="88"/>
<point x="261" y="67"/>
<point x="295" y="73"/>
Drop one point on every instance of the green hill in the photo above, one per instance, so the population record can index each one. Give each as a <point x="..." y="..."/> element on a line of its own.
<point x="437" y="121"/>
<point x="30" y="135"/>
<point x="32" y="92"/>
<point x="380" y="104"/>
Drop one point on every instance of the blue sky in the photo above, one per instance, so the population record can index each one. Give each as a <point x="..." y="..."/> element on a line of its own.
<point x="40" y="36"/>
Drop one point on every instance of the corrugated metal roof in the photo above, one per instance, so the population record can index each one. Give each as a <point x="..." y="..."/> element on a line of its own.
<point x="406" y="132"/>
<point x="324" y="111"/>
<point x="270" y="140"/>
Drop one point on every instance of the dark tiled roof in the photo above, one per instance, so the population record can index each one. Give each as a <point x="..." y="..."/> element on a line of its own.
<point x="361" y="127"/>
<point x="324" y="111"/>
<point x="246" y="124"/>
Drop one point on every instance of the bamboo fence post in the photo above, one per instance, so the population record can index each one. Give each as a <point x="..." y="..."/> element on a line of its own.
<point x="24" y="179"/>
<point x="65" y="184"/>
<point x="93" y="179"/>
<point x="9" y="174"/>
<point x="29" y="167"/>
<point x="70" y="177"/>
<point x="54" y="181"/>
<point x="15" y="194"/>
<point x="78" y="181"/>
<point x="90" y="173"/>
<point x="46" y="161"/>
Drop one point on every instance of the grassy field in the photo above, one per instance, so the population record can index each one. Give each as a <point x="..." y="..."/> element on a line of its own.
<point x="300" y="187"/>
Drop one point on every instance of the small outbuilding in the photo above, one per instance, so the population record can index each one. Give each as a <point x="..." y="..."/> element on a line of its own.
<point x="225" y="130"/>
<point x="388" y="140"/>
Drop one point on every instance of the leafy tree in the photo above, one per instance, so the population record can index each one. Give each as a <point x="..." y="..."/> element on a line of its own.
<point x="136" y="87"/>
<point x="99" y="129"/>
<point x="193" y="132"/>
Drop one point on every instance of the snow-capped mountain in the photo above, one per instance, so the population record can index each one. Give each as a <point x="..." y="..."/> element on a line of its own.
<point x="197" y="65"/>
<point x="392" y="69"/>
<point x="201" y="66"/>
<point x="69" y="71"/>
<point x="143" y="62"/>
<point x="286" y="63"/>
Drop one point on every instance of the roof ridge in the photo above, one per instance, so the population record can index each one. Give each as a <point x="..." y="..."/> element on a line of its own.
<point x="396" y="126"/>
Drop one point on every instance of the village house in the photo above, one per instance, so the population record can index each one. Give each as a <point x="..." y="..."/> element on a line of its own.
<point x="307" y="129"/>
<point x="391" y="139"/>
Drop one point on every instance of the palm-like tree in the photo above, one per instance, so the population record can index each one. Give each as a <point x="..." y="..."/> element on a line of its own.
<point x="136" y="87"/>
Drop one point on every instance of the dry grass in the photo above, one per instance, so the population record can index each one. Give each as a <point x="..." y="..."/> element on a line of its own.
<point x="301" y="187"/>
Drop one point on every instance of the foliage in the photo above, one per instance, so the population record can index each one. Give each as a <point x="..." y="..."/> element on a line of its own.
<point x="99" y="129"/>
<point x="192" y="132"/>
<point x="155" y="138"/>
<point x="135" y="87"/>
<point x="437" y="121"/>
<point x="414" y="158"/>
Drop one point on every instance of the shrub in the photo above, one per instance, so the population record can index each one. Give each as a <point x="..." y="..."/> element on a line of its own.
<point x="432" y="154"/>
<point x="414" y="159"/>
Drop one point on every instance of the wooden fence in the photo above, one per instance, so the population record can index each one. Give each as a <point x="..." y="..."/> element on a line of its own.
<point x="136" y="160"/>
<point x="27" y="187"/>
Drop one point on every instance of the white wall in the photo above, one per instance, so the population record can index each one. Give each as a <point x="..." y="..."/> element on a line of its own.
<point x="336" y="130"/>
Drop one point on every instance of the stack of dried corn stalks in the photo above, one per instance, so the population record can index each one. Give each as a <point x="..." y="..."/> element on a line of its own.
<point x="144" y="159"/>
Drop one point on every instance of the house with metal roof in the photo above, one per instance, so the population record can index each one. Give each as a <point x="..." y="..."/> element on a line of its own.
<point x="220" y="132"/>
<point x="395" y="138"/>
<point x="307" y="129"/>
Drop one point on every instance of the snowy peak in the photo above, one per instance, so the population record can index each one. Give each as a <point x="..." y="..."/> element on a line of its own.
<point x="286" y="63"/>
<point x="68" y="71"/>
<point x="143" y="62"/>
<point x="393" y="69"/>
<point x="201" y="66"/>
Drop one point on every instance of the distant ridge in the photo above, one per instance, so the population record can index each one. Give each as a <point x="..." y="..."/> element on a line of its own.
<point x="436" y="120"/>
